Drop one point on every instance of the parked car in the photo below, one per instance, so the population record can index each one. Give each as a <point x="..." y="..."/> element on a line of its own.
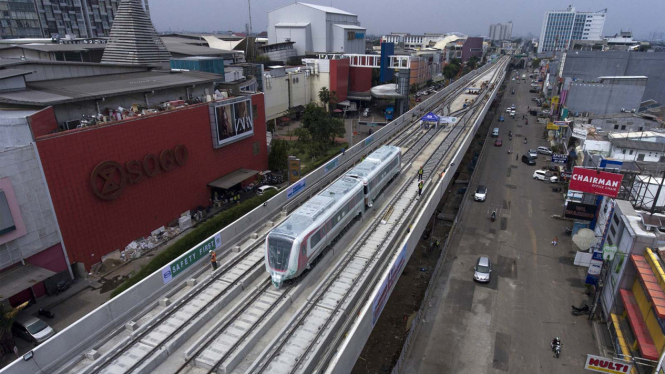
<point x="501" y="119"/>
<point x="533" y="153"/>
<point x="32" y="329"/>
<point x="498" y="142"/>
<point x="481" y="193"/>
<point x="418" y="99"/>
<point x="512" y="113"/>
<point x="542" y="175"/>
<point x="482" y="270"/>
<point x="534" y="90"/>
<point x="508" y="110"/>
<point x="546" y="111"/>
<point x="528" y="160"/>
<point x="261" y="190"/>
<point x="534" y="99"/>
<point x="544" y="150"/>
<point x="512" y="107"/>
<point x="534" y="84"/>
<point x="495" y="132"/>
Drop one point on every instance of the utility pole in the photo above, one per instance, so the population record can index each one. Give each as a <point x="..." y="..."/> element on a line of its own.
<point x="249" y="8"/>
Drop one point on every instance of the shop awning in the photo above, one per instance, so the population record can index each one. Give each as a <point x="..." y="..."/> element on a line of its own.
<point x="229" y="180"/>
<point x="650" y="282"/>
<point x="19" y="278"/>
<point x="639" y="327"/>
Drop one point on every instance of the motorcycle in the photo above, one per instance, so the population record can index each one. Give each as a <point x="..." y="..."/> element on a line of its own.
<point x="493" y="216"/>
<point x="509" y="152"/>
<point x="583" y="310"/>
<point x="46" y="313"/>
<point x="556" y="347"/>
<point x="62" y="286"/>
<point x="524" y="140"/>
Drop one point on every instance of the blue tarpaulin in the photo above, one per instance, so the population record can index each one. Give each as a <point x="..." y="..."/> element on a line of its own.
<point x="430" y="117"/>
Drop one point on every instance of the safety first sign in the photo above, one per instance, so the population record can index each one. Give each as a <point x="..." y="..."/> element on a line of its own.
<point x="606" y="365"/>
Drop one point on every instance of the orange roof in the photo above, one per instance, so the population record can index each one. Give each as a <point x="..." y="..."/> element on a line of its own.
<point x="639" y="327"/>
<point x="650" y="282"/>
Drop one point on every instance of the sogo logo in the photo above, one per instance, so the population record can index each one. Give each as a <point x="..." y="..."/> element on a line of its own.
<point x="109" y="179"/>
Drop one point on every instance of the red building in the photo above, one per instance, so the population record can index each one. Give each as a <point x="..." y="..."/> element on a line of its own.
<point x="116" y="182"/>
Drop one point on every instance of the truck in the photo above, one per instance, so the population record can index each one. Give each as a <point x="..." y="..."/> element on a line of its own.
<point x="389" y="113"/>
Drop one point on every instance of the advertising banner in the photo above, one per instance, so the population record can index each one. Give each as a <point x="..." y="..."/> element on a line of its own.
<point x="607" y="365"/>
<point x="194" y="255"/>
<point x="552" y="126"/>
<point x="331" y="165"/>
<point x="293" y="164"/>
<point x="579" y="134"/>
<point x="560" y="159"/>
<point x="295" y="188"/>
<point x="596" y="182"/>
<point x="580" y="211"/>
<point x="232" y="121"/>
<point x="382" y="296"/>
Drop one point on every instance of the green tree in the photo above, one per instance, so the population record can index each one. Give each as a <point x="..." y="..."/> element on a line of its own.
<point x="7" y="316"/>
<point x="535" y="63"/>
<point x="321" y="128"/>
<point x="450" y="71"/>
<point x="279" y="153"/>
<point x="413" y="89"/>
<point x="327" y="97"/>
<point x="472" y="62"/>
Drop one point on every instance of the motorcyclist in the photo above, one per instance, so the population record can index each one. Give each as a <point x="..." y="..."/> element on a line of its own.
<point x="525" y="140"/>
<point x="556" y="341"/>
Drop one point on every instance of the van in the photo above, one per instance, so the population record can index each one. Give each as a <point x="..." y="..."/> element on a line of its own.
<point x="495" y="132"/>
<point x="528" y="160"/>
<point x="32" y="329"/>
<point x="261" y="190"/>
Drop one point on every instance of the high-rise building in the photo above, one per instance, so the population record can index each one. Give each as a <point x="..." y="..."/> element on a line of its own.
<point x="562" y="26"/>
<point x="46" y="19"/>
<point x="501" y="31"/>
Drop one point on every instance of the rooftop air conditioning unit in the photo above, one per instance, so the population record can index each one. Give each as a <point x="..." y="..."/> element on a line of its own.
<point x="623" y="110"/>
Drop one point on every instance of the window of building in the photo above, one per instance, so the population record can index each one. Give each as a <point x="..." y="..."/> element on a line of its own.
<point x="623" y="127"/>
<point x="640" y="128"/>
<point x="640" y="157"/>
<point x="623" y="151"/>
<point x="614" y="232"/>
<point x="350" y="35"/>
<point x="6" y="219"/>
<point x="616" y="219"/>
<point x="616" y="127"/>
<point x="631" y="152"/>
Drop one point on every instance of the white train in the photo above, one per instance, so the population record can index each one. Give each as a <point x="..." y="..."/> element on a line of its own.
<point x="292" y="246"/>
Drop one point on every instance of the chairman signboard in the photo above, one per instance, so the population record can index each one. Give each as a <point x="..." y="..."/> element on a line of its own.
<point x="595" y="182"/>
<point x="606" y="365"/>
<point x="231" y="120"/>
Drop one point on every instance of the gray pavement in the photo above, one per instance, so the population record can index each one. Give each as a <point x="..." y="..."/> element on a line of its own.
<point x="506" y="326"/>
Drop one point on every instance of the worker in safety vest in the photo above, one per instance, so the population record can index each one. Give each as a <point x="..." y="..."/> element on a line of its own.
<point x="420" y="173"/>
<point x="420" y="187"/>
<point x="213" y="260"/>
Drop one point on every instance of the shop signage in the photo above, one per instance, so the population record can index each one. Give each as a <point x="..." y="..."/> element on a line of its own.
<point x="560" y="159"/>
<point x="566" y="175"/>
<point x="388" y="283"/>
<point x="555" y="100"/>
<point x="609" y="251"/>
<point x="109" y="178"/>
<point x="580" y="211"/>
<point x="595" y="182"/>
<point x="173" y="269"/>
<point x="606" y="365"/>
<point x="232" y="120"/>
<point x="552" y="126"/>
<point x="295" y="188"/>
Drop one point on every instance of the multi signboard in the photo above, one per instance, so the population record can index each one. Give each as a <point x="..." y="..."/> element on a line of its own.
<point x="596" y="182"/>
<point x="231" y="120"/>
<point x="607" y="365"/>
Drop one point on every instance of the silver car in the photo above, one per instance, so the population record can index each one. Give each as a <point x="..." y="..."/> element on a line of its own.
<point x="32" y="329"/>
<point x="482" y="270"/>
<point x="533" y="153"/>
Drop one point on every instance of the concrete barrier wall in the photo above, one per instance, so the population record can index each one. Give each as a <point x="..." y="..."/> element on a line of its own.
<point x="83" y="334"/>
<point x="345" y="358"/>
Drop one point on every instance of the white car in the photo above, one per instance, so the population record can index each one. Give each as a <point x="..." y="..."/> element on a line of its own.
<point x="508" y="110"/>
<point x="546" y="111"/>
<point x="261" y="190"/>
<point x="481" y="193"/>
<point x="533" y="153"/>
<point x="544" y="150"/>
<point x="542" y="175"/>
<point x="512" y="113"/>
<point x="534" y="85"/>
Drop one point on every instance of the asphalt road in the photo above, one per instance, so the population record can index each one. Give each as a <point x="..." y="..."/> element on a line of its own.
<point x="506" y="326"/>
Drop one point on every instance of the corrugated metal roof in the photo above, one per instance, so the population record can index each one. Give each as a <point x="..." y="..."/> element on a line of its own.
<point x="636" y="144"/>
<point x="60" y="91"/>
<point x="327" y="9"/>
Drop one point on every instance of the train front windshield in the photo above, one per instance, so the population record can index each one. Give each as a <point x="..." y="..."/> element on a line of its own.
<point x="279" y="250"/>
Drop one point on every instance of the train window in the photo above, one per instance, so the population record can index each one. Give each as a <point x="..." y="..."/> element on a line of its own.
<point x="366" y="190"/>
<point x="316" y="238"/>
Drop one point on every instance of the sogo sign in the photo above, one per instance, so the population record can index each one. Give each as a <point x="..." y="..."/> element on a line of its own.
<point x="596" y="182"/>
<point x="109" y="179"/>
<point x="605" y="365"/>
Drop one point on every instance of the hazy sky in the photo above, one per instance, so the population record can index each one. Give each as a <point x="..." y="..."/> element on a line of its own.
<point x="414" y="16"/>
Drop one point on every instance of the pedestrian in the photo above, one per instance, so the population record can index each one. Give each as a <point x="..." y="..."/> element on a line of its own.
<point x="213" y="260"/>
<point x="554" y="241"/>
<point x="343" y="151"/>
<point x="420" y="188"/>
<point x="517" y="155"/>
<point x="420" y="173"/>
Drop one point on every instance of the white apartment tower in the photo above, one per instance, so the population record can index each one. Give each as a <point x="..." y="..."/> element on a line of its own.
<point x="501" y="31"/>
<point x="562" y="26"/>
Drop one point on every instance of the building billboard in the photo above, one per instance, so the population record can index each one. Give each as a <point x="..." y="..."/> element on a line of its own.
<point x="584" y="212"/>
<point x="232" y="120"/>
<point x="595" y="182"/>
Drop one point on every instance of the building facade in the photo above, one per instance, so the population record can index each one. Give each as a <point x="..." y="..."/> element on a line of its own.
<point x="45" y="19"/>
<point x="562" y="26"/>
<point x="316" y="29"/>
<point x="501" y="31"/>
<point x="410" y="41"/>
